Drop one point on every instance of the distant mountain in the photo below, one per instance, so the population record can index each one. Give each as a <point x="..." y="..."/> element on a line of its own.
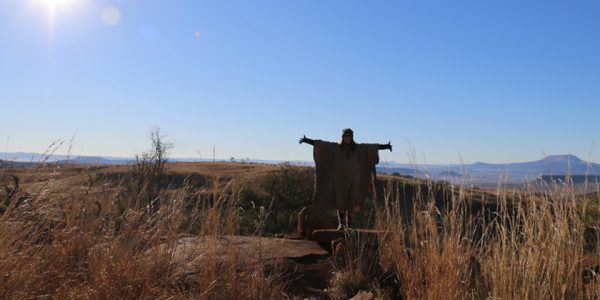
<point x="576" y="179"/>
<point x="552" y="165"/>
<point x="449" y="174"/>
<point x="13" y="164"/>
<point x="96" y="160"/>
<point x="29" y="157"/>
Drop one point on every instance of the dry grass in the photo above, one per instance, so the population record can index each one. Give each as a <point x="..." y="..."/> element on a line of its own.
<point x="532" y="247"/>
<point x="356" y="266"/>
<point x="72" y="234"/>
<point x="79" y="232"/>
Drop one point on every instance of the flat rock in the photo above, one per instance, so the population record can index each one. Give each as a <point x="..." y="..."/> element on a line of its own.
<point x="243" y="249"/>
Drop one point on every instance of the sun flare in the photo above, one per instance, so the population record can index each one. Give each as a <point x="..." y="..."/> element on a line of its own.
<point x="52" y="4"/>
<point x="56" y="9"/>
<point x="55" y="6"/>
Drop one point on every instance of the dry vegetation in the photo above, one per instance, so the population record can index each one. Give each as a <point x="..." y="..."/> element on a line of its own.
<point x="72" y="232"/>
<point x="109" y="232"/>
<point x="535" y="246"/>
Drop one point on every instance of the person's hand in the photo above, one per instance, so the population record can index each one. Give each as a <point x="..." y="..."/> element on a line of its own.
<point x="389" y="146"/>
<point x="302" y="139"/>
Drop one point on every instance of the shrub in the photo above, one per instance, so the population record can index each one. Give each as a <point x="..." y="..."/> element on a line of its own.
<point x="273" y="202"/>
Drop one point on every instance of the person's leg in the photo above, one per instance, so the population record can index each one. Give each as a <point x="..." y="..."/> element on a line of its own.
<point x="344" y="219"/>
<point x="340" y="224"/>
<point x="348" y="219"/>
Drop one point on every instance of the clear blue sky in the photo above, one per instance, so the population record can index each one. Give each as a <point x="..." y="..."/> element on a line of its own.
<point x="494" y="81"/>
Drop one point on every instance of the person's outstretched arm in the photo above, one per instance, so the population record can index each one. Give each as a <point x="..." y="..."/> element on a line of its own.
<point x="304" y="139"/>
<point x="385" y="146"/>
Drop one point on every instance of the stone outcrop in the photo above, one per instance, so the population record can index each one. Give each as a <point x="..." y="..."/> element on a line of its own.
<point x="186" y="252"/>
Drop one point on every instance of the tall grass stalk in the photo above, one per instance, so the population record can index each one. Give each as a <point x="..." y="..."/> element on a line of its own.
<point x="530" y="246"/>
<point x="98" y="242"/>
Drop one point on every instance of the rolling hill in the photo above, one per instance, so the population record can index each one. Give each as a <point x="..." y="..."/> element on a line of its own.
<point x="480" y="172"/>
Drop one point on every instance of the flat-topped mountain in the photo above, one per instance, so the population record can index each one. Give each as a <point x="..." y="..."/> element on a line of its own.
<point x="552" y="164"/>
<point x="481" y="172"/>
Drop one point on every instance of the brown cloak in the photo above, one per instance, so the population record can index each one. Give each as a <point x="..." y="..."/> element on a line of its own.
<point x="344" y="176"/>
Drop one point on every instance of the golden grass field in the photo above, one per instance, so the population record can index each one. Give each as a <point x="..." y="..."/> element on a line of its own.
<point x="109" y="232"/>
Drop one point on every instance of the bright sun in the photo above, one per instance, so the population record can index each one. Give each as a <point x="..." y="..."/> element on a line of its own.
<point x="55" y="7"/>
<point x="55" y="4"/>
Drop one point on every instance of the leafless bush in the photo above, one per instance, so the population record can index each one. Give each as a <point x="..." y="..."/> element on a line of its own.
<point x="145" y="180"/>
